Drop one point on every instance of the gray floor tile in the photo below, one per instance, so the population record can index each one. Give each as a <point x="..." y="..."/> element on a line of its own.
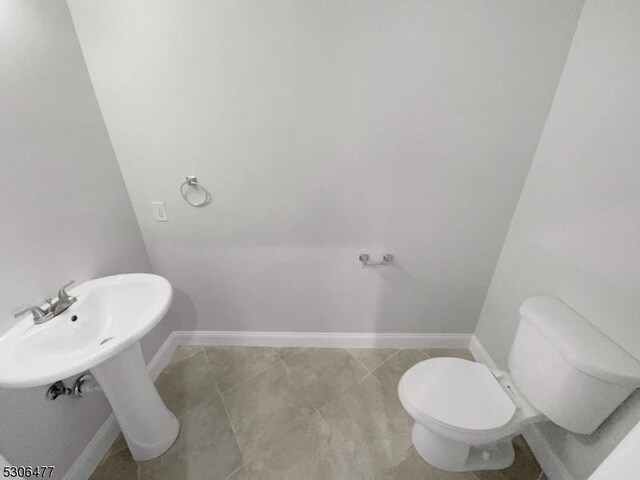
<point x="117" y="465"/>
<point x="413" y="467"/>
<point x="205" y="449"/>
<point x="255" y="401"/>
<point x="368" y="427"/>
<point x="186" y="384"/>
<point x="318" y="375"/>
<point x="524" y="467"/>
<point x="184" y="351"/>
<point x="293" y="414"/>
<point x="372" y="358"/>
<point x="285" y="352"/>
<point x="493" y="475"/>
<point x="236" y="474"/>
<point x="290" y="444"/>
<point x="234" y="365"/>
<point x="450" y="352"/>
<point x="119" y="444"/>
<point x="390" y="372"/>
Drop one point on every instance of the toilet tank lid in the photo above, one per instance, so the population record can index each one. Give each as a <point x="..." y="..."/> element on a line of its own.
<point x="582" y="345"/>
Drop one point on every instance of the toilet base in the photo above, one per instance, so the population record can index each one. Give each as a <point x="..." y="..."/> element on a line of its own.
<point x="454" y="456"/>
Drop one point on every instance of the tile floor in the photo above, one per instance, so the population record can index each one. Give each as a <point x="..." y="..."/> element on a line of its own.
<point x="291" y="413"/>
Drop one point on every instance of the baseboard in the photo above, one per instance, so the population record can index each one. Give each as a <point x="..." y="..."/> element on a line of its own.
<point x="95" y="450"/>
<point x="101" y="442"/>
<point x="323" y="339"/>
<point x="480" y="353"/>
<point x="553" y="467"/>
<point x="163" y="356"/>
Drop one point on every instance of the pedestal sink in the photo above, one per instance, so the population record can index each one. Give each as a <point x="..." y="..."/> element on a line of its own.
<point x="101" y="333"/>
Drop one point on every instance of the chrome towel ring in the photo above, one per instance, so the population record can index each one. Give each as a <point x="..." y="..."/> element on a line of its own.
<point x="192" y="182"/>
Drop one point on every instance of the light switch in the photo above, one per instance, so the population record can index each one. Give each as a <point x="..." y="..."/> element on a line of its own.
<point x="159" y="212"/>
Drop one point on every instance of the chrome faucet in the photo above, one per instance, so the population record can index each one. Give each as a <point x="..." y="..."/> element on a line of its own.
<point x="54" y="309"/>
<point x="64" y="300"/>
<point x="39" y="316"/>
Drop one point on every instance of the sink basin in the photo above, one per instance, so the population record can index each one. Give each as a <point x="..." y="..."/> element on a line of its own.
<point x="112" y="314"/>
<point x="101" y="333"/>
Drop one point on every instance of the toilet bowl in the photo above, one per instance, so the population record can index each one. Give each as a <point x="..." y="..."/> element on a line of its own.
<point x="465" y="414"/>
<point x="561" y="368"/>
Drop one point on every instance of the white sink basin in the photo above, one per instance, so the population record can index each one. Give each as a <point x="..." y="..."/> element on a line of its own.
<point x="112" y="314"/>
<point x="100" y="332"/>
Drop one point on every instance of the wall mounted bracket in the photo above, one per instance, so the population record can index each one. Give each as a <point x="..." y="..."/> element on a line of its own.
<point x="365" y="260"/>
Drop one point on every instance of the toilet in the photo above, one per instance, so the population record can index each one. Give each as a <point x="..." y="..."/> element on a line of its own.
<point x="561" y="369"/>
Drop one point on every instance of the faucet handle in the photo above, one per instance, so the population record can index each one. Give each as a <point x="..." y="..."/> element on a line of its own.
<point x="36" y="311"/>
<point x="62" y="293"/>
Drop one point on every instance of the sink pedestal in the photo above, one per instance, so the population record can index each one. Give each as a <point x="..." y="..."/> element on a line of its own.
<point x="147" y="425"/>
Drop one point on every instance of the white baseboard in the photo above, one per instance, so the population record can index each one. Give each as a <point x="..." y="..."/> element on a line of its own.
<point x="480" y="353"/>
<point x="162" y="357"/>
<point x="101" y="442"/>
<point x="99" y="445"/>
<point x="323" y="339"/>
<point x="553" y="467"/>
<point x="95" y="450"/>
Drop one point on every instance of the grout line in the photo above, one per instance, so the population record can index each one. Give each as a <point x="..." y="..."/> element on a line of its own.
<point x="370" y="374"/>
<point x="239" y="467"/>
<point x="235" y="436"/>
<point x="366" y="369"/>
<point x="321" y="417"/>
<point x="170" y="364"/>
<point x="285" y="366"/>
<point x="269" y="367"/>
<point x="298" y="350"/>
<point x="222" y="392"/>
<point x="206" y="399"/>
<point x="396" y="353"/>
<point x="211" y="372"/>
<point x="372" y="371"/>
<point x="380" y="366"/>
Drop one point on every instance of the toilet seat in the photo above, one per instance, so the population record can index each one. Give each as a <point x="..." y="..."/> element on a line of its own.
<point x="465" y="414"/>
<point x="456" y="394"/>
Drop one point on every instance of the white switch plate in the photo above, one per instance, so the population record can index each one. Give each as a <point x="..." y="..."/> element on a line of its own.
<point x="159" y="212"/>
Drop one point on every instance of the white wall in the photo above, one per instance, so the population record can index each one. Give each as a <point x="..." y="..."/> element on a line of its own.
<point x="325" y="129"/>
<point x="64" y="210"/>
<point x="575" y="232"/>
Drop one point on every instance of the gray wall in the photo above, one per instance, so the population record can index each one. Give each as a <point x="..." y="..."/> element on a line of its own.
<point x="64" y="209"/>
<point x="575" y="232"/>
<point x="325" y="129"/>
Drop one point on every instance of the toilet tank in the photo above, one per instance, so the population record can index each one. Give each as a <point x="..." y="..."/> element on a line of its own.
<point x="567" y="368"/>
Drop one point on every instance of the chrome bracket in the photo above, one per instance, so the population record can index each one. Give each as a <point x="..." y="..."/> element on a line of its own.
<point x="365" y="260"/>
<point x="192" y="180"/>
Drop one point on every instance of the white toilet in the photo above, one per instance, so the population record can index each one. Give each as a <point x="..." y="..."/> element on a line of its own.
<point x="562" y="369"/>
